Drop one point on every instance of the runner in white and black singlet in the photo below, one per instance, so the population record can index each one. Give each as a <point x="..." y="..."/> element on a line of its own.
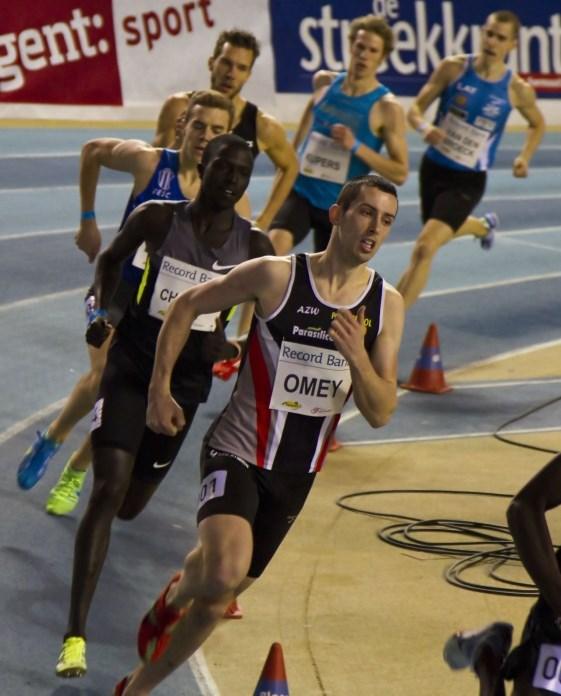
<point x="230" y="66"/>
<point x="325" y="324"/>
<point x="535" y="664"/>
<point x="188" y="244"/>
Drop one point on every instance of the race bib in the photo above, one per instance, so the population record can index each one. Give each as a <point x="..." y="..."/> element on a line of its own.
<point x="139" y="259"/>
<point x="548" y="670"/>
<point x="325" y="158"/>
<point x="463" y="142"/>
<point x="310" y="381"/>
<point x="174" y="277"/>
<point x="212" y="486"/>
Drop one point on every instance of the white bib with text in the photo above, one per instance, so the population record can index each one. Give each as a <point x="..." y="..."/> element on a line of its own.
<point x="326" y="159"/>
<point x="310" y="381"/>
<point x="548" y="669"/>
<point x="174" y="277"/>
<point x="463" y="142"/>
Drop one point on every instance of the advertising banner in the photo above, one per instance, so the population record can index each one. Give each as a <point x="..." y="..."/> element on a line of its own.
<point x="58" y="52"/>
<point x="120" y="52"/>
<point x="72" y="58"/>
<point x="309" y="35"/>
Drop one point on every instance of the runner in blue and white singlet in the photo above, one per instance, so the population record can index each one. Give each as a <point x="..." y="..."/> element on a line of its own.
<point x="341" y="134"/>
<point x="473" y="113"/>
<point x="325" y="164"/>
<point x="476" y="94"/>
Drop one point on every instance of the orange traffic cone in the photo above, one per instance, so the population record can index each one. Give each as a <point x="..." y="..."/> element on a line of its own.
<point x="272" y="681"/>
<point x="428" y="373"/>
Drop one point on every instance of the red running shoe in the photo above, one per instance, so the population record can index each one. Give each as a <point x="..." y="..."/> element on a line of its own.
<point x="154" y="633"/>
<point x="233" y="611"/>
<point x="121" y="686"/>
<point x="334" y="444"/>
<point x="224" y="369"/>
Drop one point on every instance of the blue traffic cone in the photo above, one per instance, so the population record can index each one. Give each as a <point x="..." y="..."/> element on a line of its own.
<point x="272" y="681"/>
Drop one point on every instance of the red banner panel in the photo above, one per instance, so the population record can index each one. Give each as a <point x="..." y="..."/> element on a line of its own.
<point x="59" y="52"/>
<point x="544" y="83"/>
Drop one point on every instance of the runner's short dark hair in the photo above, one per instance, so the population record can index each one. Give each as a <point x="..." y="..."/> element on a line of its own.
<point x="212" y="99"/>
<point x="352" y="188"/>
<point x="239" y="38"/>
<point x="509" y="18"/>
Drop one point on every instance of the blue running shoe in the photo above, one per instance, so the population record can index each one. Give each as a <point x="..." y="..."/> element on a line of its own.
<point x="491" y="222"/>
<point x="34" y="463"/>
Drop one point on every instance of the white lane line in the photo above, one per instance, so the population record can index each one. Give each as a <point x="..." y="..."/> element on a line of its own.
<point x="352" y="413"/>
<point x="51" y="233"/>
<point x="498" y="198"/>
<point x="62" y="187"/>
<point x="497" y="384"/>
<point x="30" y="301"/>
<point x="534" y="245"/>
<point x="39" y="155"/>
<point x="22" y="425"/>
<point x="74" y="187"/>
<point x="524" y="231"/>
<point x="502" y="233"/>
<point x="494" y="284"/>
<point x="197" y="662"/>
<point x="203" y="677"/>
<point x="517" y="352"/>
<point x="453" y="436"/>
<point x="403" y="203"/>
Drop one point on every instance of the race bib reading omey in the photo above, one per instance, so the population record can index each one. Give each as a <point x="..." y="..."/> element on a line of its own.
<point x="324" y="158"/>
<point x="174" y="277"/>
<point x="310" y="381"/>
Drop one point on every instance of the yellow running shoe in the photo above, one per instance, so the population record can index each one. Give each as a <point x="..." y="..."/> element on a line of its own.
<point x="64" y="496"/>
<point x="72" y="659"/>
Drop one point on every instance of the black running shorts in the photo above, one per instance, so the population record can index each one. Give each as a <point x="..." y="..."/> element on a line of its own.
<point x="269" y="500"/>
<point x="299" y="216"/>
<point x="119" y="418"/>
<point x="449" y="195"/>
<point x="523" y="661"/>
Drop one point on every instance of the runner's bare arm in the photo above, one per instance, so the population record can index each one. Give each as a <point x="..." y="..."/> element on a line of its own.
<point x="388" y="122"/>
<point x="374" y="376"/>
<point x="148" y="223"/>
<point x="304" y="125"/>
<point x="320" y="81"/>
<point x="272" y="140"/>
<point x="445" y="73"/>
<point x="394" y="166"/>
<point x="243" y="207"/>
<point x="524" y="100"/>
<point x="526" y="517"/>
<point x="254" y="280"/>
<point x="263" y="279"/>
<point x="95" y="154"/>
<point x="173" y="107"/>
